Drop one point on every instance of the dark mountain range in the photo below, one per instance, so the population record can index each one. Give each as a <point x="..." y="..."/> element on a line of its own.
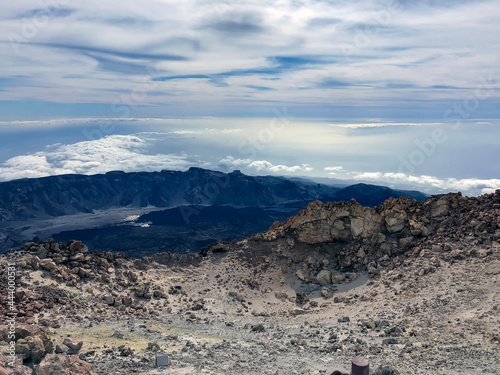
<point x="190" y="209"/>
<point x="46" y="197"/>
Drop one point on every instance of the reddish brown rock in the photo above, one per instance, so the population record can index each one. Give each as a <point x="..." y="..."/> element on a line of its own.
<point x="61" y="364"/>
<point x="32" y="341"/>
<point x="18" y="369"/>
<point x="73" y="345"/>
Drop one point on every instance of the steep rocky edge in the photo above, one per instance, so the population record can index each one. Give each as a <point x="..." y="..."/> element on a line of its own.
<point x="413" y="283"/>
<point x="352" y="237"/>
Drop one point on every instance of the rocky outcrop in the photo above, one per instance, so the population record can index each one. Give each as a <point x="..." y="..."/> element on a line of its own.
<point x="71" y="263"/>
<point x="343" y="221"/>
<point x="350" y="237"/>
<point x="18" y="369"/>
<point x="395" y="221"/>
<point x="63" y="365"/>
<point x="32" y="342"/>
<point x="34" y="347"/>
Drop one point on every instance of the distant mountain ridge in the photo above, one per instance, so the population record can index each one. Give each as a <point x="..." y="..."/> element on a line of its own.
<point x="46" y="197"/>
<point x="373" y="195"/>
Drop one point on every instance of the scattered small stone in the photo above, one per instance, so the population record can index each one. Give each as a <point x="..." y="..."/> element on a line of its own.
<point x="336" y="277"/>
<point x="258" y="328"/>
<point x="386" y="369"/>
<point x="73" y="345"/>
<point x="153" y="346"/>
<point x="301" y="298"/>
<point x="118" y="335"/>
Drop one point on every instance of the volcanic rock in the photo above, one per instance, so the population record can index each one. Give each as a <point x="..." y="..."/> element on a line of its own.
<point x="63" y="365"/>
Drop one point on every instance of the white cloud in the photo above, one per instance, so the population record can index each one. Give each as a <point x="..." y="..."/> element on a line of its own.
<point x="63" y="122"/>
<point x="425" y="183"/>
<point x="232" y="162"/>
<point x="262" y="165"/>
<point x="118" y="152"/>
<point x="468" y="186"/>
<point x="336" y="168"/>
<point x="488" y="190"/>
<point x="18" y="125"/>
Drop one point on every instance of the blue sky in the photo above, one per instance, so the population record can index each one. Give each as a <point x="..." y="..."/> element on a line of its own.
<point x="397" y="92"/>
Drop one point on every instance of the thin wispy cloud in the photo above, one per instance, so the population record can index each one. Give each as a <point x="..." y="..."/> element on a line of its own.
<point x="383" y="124"/>
<point x="65" y="122"/>
<point x="253" y="52"/>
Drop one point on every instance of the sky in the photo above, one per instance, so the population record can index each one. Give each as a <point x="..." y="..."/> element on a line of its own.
<point x="395" y="92"/>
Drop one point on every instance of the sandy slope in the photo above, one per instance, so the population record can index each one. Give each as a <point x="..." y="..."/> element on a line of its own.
<point x="443" y="322"/>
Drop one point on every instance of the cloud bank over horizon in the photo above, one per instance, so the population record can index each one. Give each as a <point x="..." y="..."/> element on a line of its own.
<point x="138" y="152"/>
<point x="117" y="152"/>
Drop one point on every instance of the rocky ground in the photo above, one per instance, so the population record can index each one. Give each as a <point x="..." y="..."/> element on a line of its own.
<point x="413" y="286"/>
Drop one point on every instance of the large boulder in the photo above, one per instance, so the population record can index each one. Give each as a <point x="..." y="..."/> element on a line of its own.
<point x="395" y="221"/>
<point x="320" y="223"/>
<point x="440" y="208"/>
<point x="341" y="221"/>
<point x="365" y="222"/>
<point x="337" y="277"/>
<point x="31" y="348"/>
<point x="78" y="247"/>
<point x="315" y="232"/>
<point x="304" y="273"/>
<point x="323" y="277"/>
<point x="32" y="342"/>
